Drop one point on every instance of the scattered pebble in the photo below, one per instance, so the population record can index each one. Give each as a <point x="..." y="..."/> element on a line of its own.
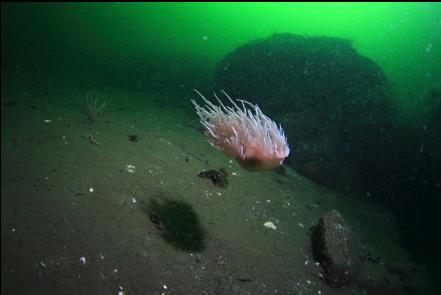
<point x="270" y="225"/>
<point x="133" y="200"/>
<point x="130" y="168"/>
<point x="47" y="121"/>
<point x="301" y="224"/>
<point x="83" y="260"/>
<point x="91" y="190"/>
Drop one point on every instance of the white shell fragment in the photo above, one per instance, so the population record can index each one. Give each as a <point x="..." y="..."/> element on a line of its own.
<point x="130" y="168"/>
<point x="270" y="225"/>
<point x="83" y="260"/>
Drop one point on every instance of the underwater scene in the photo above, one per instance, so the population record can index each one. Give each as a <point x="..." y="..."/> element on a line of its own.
<point x="221" y="148"/>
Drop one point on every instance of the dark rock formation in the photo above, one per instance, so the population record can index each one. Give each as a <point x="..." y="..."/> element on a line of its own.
<point x="334" y="248"/>
<point x="330" y="100"/>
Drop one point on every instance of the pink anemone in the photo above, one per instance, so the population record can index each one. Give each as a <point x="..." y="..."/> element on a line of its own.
<point x="253" y="139"/>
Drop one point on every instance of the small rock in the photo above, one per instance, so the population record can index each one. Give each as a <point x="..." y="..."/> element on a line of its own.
<point x="133" y="137"/>
<point x="219" y="178"/>
<point x="334" y="248"/>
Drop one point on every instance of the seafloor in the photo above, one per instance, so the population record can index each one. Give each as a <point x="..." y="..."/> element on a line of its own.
<point x="161" y="229"/>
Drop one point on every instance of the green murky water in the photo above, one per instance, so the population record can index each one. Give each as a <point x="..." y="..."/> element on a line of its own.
<point x="356" y="87"/>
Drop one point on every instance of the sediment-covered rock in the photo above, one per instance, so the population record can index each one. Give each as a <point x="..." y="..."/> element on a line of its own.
<point x="334" y="248"/>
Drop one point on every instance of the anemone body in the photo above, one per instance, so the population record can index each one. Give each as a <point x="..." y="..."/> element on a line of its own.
<point x="244" y="133"/>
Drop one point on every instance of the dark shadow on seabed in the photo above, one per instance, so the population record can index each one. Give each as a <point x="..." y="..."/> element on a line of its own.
<point x="178" y="224"/>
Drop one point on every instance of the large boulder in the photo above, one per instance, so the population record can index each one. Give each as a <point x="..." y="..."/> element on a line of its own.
<point x="334" y="248"/>
<point x="330" y="100"/>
